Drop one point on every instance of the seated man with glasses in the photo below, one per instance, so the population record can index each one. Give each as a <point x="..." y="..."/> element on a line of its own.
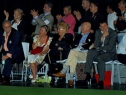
<point x="12" y="49"/>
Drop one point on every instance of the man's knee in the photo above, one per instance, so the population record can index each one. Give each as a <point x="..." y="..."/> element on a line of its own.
<point x="72" y="53"/>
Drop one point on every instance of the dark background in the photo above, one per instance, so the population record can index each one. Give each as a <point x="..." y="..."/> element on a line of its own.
<point x="27" y="5"/>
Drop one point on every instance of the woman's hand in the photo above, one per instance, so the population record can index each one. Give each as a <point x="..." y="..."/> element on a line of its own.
<point x="6" y="14"/>
<point x="59" y="48"/>
<point x="56" y="44"/>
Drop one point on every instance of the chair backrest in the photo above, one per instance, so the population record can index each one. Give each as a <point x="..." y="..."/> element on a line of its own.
<point x="25" y="46"/>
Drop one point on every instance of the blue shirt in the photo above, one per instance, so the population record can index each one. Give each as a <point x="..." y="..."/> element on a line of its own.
<point x="83" y="39"/>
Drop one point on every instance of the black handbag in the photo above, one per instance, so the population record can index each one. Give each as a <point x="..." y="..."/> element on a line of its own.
<point x="57" y="67"/>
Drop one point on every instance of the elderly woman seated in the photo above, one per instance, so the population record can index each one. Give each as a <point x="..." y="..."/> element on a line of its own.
<point x="40" y="47"/>
<point x="59" y="47"/>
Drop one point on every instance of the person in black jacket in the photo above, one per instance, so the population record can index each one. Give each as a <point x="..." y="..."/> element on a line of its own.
<point x="82" y="41"/>
<point x="59" y="47"/>
<point x="18" y="23"/>
<point x="12" y="49"/>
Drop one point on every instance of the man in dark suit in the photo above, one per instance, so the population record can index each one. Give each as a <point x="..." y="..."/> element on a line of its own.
<point x="83" y="41"/>
<point x="104" y="50"/>
<point x="12" y="49"/>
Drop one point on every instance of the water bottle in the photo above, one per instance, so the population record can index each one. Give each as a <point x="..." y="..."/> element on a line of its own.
<point x="3" y="62"/>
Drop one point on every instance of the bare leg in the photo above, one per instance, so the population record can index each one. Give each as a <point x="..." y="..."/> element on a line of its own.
<point x="32" y="66"/>
<point x="36" y="64"/>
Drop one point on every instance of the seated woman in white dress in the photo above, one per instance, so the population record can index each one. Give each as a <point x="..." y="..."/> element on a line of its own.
<point x="40" y="47"/>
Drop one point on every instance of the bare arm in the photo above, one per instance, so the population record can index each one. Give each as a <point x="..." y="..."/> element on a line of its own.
<point x="45" y="50"/>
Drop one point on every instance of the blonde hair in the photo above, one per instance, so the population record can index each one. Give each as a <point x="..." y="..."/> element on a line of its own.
<point x="64" y="25"/>
<point x="20" y="11"/>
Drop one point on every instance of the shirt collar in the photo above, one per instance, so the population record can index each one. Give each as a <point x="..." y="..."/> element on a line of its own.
<point x="5" y="33"/>
<point x="46" y="13"/>
<point x="85" y="34"/>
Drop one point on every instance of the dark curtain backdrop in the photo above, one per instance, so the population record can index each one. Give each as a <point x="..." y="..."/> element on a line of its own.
<point x="58" y="5"/>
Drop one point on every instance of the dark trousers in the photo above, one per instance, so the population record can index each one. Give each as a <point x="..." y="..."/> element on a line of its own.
<point x="7" y="67"/>
<point x="101" y="58"/>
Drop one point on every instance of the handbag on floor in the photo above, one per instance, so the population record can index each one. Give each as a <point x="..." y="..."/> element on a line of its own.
<point x="107" y="78"/>
<point x="80" y="72"/>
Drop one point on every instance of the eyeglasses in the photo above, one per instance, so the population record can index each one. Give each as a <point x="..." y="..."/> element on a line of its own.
<point x="6" y="27"/>
<point x="60" y="29"/>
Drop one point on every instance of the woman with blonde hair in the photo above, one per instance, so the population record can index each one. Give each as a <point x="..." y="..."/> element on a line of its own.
<point x="18" y="23"/>
<point x="59" y="47"/>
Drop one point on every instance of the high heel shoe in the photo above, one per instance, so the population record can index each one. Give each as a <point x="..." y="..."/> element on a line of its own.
<point x="52" y="82"/>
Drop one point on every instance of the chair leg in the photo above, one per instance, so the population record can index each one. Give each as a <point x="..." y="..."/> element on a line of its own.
<point x="67" y="75"/>
<point x="112" y="74"/>
<point x="22" y="74"/>
<point x="96" y="70"/>
<point x="118" y="72"/>
<point x="25" y="73"/>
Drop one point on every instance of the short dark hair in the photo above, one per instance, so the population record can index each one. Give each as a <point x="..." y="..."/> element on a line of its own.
<point x="69" y="8"/>
<point x="95" y="3"/>
<point x="111" y="6"/>
<point x="47" y="29"/>
<point x="49" y="4"/>
<point x="103" y="21"/>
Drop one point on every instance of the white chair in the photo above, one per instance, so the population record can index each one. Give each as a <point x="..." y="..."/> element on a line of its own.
<point x="117" y="63"/>
<point x="25" y="46"/>
<point x="43" y="71"/>
<point x="112" y="66"/>
<point x="21" y="72"/>
<point x="67" y="72"/>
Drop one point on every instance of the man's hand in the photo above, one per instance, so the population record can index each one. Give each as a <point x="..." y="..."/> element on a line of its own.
<point x="104" y="35"/>
<point x="4" y="57"/>
<point x="77" y="14"/>
<point x="9" y="55"/>
<point x="121" y="17"/>
<point x="34" y="13"/>
<point x="59" y="17"/>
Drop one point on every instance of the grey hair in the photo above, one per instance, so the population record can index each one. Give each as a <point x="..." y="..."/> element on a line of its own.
<point x="88" y="1"/>
<point x="19" y="10"/>
<point x="6" y="21"/>
<point x="69" y="8"/>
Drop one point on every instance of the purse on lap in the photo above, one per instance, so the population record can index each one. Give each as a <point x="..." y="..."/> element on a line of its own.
<point x="39" y="49"/>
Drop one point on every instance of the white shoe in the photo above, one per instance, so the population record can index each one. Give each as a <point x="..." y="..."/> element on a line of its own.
<point x="31" y="76"/>
<point x="33" y="80"/>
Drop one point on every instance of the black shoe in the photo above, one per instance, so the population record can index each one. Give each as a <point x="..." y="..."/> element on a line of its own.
<point x="88" y="76"/>
<point x="52" y="83"/>
<point x="100" y="85"/>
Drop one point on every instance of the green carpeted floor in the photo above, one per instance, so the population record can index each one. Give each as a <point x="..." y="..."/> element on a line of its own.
<point x="13" y="90"/>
